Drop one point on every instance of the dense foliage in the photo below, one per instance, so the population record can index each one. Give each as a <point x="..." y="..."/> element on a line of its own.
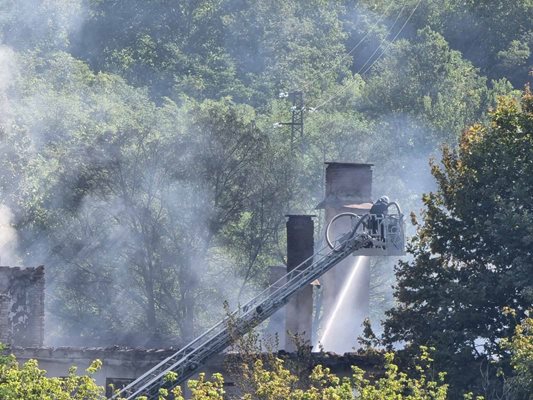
<point x="496" y="35"/>
<point x="142" y="161"/>
<point x="521" y="348"/>
<point x="29" y="382"/>
<point x="472" y="255"/>
<point x="268" y="380"/>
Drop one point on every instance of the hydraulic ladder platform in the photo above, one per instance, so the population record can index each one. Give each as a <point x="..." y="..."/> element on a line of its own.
<point x="185" y="362"/>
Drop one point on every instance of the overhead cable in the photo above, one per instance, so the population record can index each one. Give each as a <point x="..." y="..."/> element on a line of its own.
<point x="360" y="70"/>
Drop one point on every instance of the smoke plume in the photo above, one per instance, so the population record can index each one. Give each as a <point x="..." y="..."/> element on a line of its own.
<point x="8" y="237"/>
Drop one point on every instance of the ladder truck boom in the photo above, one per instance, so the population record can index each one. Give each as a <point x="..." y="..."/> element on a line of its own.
<point x="185" y="362"/>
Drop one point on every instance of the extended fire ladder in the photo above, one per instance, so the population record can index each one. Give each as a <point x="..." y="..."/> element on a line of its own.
<point x="185" y="362"/>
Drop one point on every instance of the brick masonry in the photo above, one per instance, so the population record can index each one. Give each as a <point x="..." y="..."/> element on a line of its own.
<point x="22" y="306"/>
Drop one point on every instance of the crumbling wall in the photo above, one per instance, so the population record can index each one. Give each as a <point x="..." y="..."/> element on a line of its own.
<point x="122" y="365"/>
<point x="22" y="306"/>
<point x="5" y="324"/>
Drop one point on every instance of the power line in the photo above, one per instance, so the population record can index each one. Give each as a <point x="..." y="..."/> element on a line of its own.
<point x="375" y="51"/>
<point x="308" y="84"/>
<point x="368" y="32"/>
<point x="393" y="39"/>
<point x="389" y="32"/>
<point x="382" y="42"/>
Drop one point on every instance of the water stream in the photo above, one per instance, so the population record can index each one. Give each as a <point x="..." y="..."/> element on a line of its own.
<point x="336" y="335"/>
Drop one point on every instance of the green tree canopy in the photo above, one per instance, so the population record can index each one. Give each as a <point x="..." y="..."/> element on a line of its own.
<point x="497" y="35"/>
<point x="472" y="255"/>
<point x="139" y="157"/>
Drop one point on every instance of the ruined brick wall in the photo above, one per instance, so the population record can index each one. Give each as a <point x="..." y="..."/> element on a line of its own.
<point x="5" y="324"/>
<point x="22" y="306"/>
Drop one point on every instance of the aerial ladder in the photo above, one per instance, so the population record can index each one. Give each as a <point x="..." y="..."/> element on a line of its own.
<point x="366" y="235"/>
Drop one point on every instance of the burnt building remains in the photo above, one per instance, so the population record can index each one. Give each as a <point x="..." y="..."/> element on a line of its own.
<point x="348" y="188"/>
<point x="22" y="306"/>
<point x="22" y="329"/>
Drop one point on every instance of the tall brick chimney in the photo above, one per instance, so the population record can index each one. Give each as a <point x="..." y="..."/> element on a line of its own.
<point x="300" y="246"/>
<point x="347" y="184"/>
<point x="22" y="306"/>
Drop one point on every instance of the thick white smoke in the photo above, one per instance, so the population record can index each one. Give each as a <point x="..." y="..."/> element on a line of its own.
<point x="8" y="234"/>
<point x="8" y="237"/>
<point x="7" y="73"/>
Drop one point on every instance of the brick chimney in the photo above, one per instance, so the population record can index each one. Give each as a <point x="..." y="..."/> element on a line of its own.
<point x="347" y="184"/>
<point x="300" y="246"/>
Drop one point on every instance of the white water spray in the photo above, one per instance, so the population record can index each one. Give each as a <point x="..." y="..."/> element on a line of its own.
<point x="341" y="299"/>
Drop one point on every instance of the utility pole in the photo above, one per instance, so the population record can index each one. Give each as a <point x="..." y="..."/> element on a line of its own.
<point x="297" y="120"/>
<point x="297" y="131"/>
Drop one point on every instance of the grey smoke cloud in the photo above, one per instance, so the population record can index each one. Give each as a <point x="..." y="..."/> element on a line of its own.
<point x="8" y="237"/>
<point x="8" y="234"/>
<point x="8" y="68"/>
<point x="50" y="25"/>
<point x="47" y="25"/>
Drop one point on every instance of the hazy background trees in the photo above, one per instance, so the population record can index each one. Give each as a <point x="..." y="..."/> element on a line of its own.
<point x="141" y="165"/>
